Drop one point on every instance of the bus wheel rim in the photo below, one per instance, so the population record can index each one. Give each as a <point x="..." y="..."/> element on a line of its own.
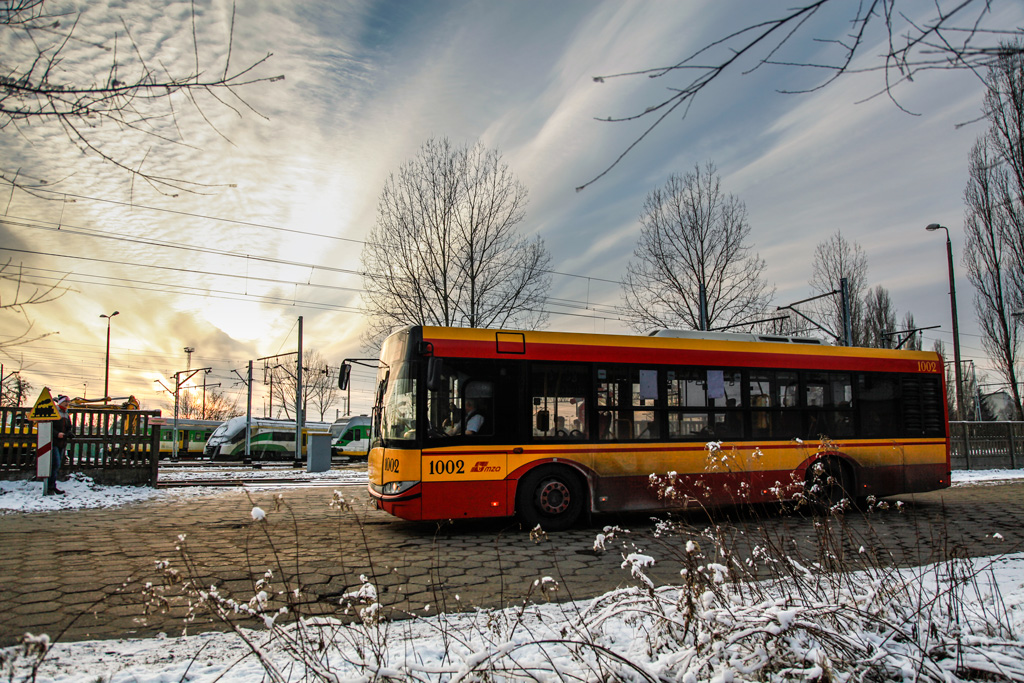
<point x="554" y="497"/>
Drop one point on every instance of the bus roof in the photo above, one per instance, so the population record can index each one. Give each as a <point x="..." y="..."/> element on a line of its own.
<point x="704" y="348"/>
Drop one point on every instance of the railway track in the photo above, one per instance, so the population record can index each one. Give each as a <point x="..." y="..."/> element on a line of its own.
<point x="257" y="483"/>
<point x="191" y="474"/>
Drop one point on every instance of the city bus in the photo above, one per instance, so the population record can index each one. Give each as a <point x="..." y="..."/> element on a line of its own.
<point x="473" y="423"/>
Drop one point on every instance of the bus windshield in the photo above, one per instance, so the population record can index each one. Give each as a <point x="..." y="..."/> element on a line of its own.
<point x="395" y="400"/>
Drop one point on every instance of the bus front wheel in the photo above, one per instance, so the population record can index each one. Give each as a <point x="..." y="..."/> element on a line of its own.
<point x="551" y="497"/>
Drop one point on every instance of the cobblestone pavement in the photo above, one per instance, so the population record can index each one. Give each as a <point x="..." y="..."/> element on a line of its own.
<point x="81" y="574"/>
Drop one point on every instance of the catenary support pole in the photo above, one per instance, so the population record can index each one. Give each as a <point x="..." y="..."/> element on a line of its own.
<point x="299" y="417"/>
<point x="248" y="417"/>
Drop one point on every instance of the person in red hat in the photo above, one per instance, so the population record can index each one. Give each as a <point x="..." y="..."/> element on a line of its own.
<point x="63" y="432"/>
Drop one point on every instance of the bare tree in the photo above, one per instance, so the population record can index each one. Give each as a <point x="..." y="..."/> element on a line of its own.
<point x="445" y="248"/>
<point x="214" y="406"/>
<point x="940" y="348"/>
<point x="17" y="293"/>
<point x="43" y="84"/>
<point x="694" y="238"/>
<point x="994" y="221"/>
<point x="834" y="259"/>
<point x="14" y="389"/>
<point x="987" y="260"/>
<point x="318" y="389"/>
<point x="916" y="37"/>
<point x="913" y="341"/>
<point x="321" y="388"/>
<point x="879" y="319"/>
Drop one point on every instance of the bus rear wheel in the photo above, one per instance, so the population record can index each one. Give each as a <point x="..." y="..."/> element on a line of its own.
<point x="829" y="483"/>
<point x="552" y="497"/>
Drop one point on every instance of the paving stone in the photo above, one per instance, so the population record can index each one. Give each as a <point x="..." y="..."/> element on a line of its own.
<point x="486" y="563"/>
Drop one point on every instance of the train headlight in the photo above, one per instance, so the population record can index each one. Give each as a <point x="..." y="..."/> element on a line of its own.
<point x="394" y="487"/>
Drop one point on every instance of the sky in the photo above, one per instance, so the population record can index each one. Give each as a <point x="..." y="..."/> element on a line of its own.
<point x="288" y="181"/>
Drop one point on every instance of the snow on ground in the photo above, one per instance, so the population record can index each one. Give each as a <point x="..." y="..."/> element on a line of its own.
<point x="81" y="492"/>
<point x="970" y="477"/>
<point x="345" y="474"/>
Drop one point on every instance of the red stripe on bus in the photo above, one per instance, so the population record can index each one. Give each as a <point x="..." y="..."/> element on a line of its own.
<point x="814" y="357"/>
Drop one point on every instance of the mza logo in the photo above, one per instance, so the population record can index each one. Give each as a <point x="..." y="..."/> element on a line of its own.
<point x="485" y="466"/>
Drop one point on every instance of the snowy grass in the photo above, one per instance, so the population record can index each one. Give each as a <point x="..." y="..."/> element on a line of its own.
<point x="780" y="612"/>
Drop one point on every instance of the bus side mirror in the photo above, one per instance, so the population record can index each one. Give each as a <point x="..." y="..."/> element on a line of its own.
<point x="435" y="368"/>
<point x="343" y="375"/>
<point x="543" y="421"/>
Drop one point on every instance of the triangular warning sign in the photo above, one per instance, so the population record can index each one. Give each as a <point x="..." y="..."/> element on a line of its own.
<point x="45" y="408"/>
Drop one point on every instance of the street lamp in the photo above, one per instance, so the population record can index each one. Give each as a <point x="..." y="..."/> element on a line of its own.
<point x="932" y="227"/>
<point x="106" y="366"/>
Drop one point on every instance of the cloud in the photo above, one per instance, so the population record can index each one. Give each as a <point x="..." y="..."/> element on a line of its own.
<point x="368" y="82"/>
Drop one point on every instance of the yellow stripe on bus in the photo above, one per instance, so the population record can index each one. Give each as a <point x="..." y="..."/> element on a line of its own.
<point x="477" y="463"/>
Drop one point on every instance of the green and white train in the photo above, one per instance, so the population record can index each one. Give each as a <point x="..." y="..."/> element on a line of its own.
<point x="268" y="440"/>
<point x="192" y="436"/>
<point x="351" y="437"/>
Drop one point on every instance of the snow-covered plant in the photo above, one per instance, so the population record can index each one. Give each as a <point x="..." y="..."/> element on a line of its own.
<point x="365" y="600"/>
<point x="22" y="661"/>
<point x="788" y="598"/>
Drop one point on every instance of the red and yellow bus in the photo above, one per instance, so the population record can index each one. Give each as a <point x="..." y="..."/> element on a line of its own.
<point x="472" y="423"/>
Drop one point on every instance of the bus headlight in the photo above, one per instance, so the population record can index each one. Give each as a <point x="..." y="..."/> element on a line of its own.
<point x="393" y="487"/>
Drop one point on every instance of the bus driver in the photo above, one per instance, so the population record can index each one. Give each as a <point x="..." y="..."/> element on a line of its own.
<point x="474" y="420"/>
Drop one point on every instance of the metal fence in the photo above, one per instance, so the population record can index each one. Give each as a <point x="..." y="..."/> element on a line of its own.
<point x="986" y="445"/>
<point x="111" y="446"/>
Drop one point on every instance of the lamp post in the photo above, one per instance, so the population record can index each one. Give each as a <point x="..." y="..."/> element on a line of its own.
<point x="106" y="365"/>
<point x="932" y="227"/>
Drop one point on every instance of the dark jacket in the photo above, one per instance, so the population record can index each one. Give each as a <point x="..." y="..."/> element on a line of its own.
<point x="65" y="426"/>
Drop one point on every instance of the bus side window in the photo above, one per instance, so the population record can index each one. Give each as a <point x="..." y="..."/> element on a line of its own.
<point x="557" y="392"/>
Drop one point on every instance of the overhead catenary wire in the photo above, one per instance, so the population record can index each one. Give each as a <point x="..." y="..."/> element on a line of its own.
<point x="91" y="232"/>
<point x="568" y="303"/>
<point x="35" y="223"/>
<point x="605" y="311"/>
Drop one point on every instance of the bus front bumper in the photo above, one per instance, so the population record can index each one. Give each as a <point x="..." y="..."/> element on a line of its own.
<point x="447" y="500"/>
